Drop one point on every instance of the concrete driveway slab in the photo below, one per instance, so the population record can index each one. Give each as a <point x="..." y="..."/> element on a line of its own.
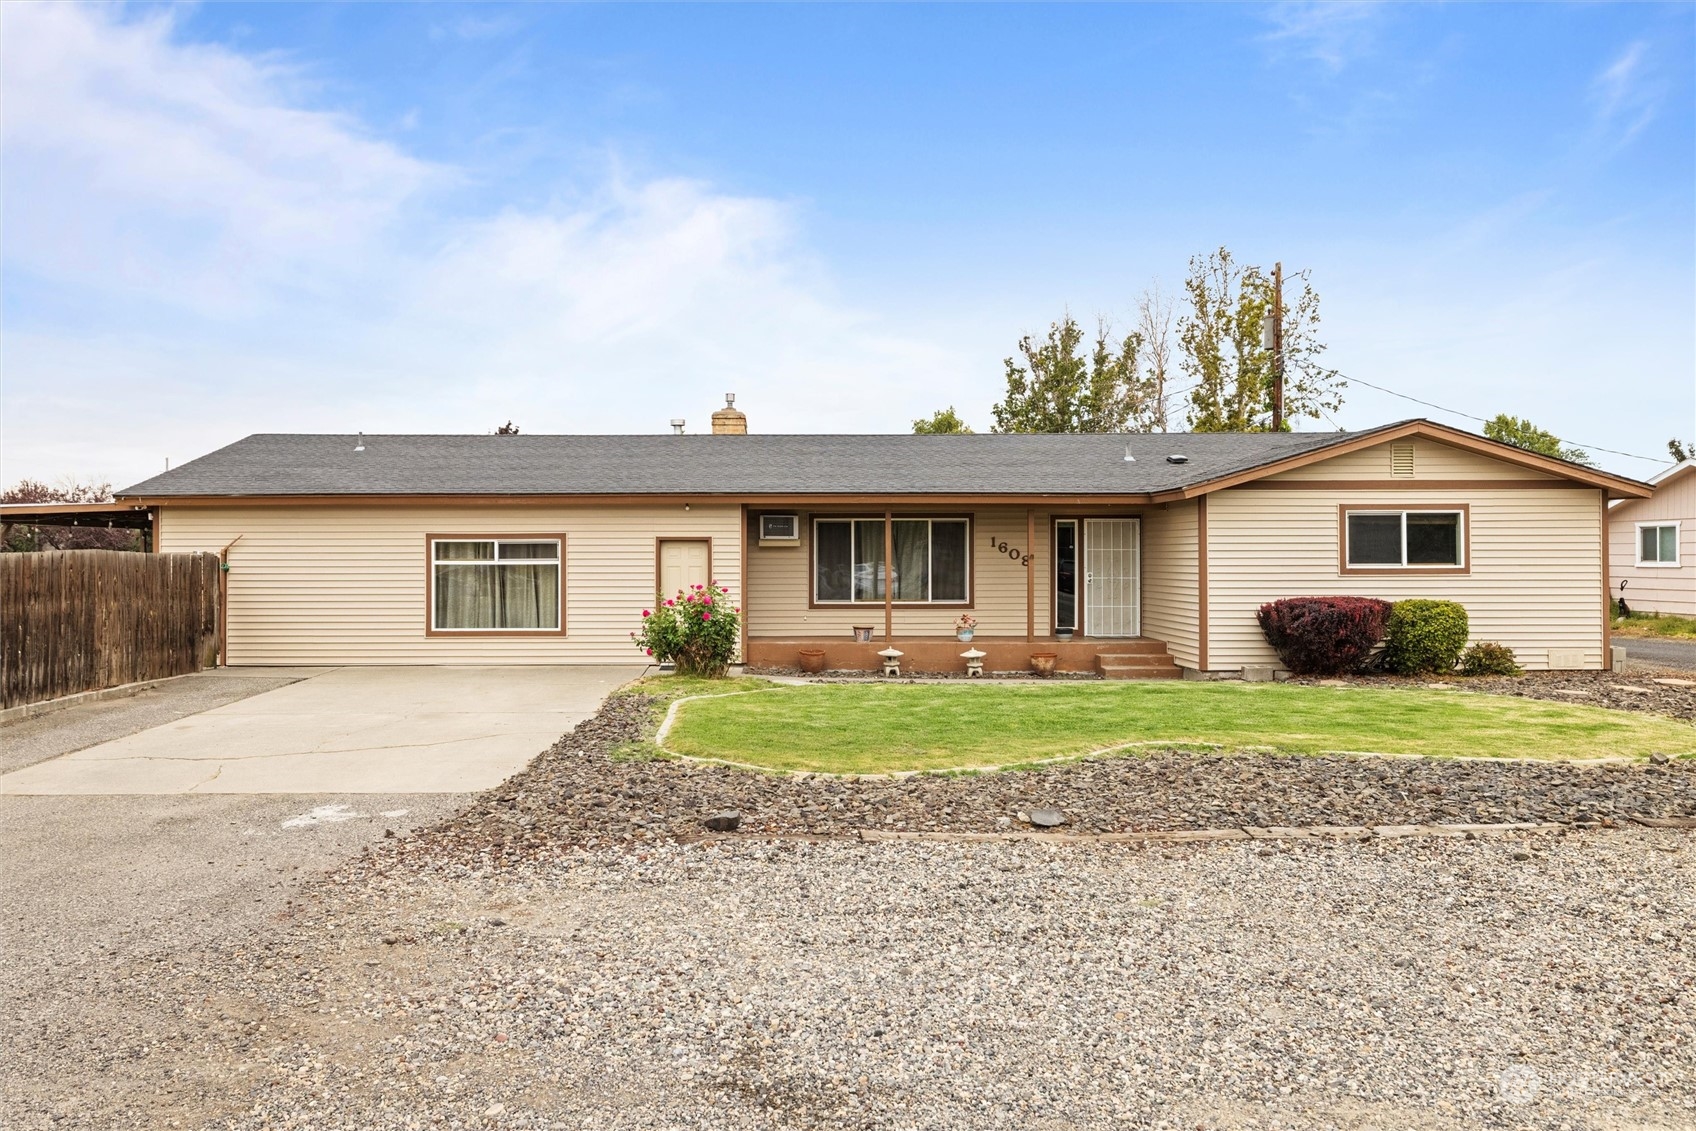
<point x="348" y="730"/>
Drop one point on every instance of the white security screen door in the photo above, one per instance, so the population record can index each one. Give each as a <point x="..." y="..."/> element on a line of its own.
<point x="1112" y="577"/>
<point x="683" y="565"/>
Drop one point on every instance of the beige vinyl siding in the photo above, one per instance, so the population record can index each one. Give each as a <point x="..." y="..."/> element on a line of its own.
<point x="780" y="586"/>
<point x="1431" y="460"/>
<point x="1535" y="582"/>
<point x="1170" y="576"/>
<point x="347" y="584"/>
<point x="1656" y="588"/>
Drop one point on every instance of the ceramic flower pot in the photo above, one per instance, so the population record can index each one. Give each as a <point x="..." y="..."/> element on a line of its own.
<point x="1042" y="663"/>
<point x="812" y="660"/>
<point x="965" y="634"/>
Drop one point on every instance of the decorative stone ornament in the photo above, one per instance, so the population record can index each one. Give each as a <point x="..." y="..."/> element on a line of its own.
<point x="892" y="660"/>
<point x="974" y="662"/>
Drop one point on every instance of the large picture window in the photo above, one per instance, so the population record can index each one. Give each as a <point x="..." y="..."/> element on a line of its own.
<point x="1657" y="543"/>
<point x="930" y="561"/>
<point x="1404" y="539"/>
<point x="495" y="584"/>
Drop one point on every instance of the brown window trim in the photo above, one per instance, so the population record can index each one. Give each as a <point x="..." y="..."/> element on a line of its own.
<point x="430" y="629"/>
<point x="812" y="517"/>
<point x="661" y="541"/>
<point x="1462" y="570"/>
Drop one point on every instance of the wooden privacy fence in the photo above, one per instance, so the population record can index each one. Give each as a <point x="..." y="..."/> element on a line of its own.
<point x="77" y="620"/>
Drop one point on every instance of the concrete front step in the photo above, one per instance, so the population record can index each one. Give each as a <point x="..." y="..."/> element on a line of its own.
<point x="1143" y="663"/>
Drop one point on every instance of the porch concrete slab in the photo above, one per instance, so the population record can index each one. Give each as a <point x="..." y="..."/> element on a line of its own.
<point x="348" y="730"/>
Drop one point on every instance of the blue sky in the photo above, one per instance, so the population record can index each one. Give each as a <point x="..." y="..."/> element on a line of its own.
<point x="225" y="219"/>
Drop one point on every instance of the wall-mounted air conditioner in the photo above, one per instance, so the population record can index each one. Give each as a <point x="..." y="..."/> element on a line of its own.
<point x="780" y="530"/>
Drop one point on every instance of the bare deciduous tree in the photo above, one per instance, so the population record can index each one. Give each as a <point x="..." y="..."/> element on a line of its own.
<point x="1154" y="327"/>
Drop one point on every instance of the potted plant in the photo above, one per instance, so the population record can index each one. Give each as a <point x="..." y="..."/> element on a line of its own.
<point x="965" y="626"/>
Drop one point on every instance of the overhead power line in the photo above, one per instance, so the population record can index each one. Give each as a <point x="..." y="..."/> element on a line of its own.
<point x="1485" y="420"/>
<point x="1451" y="411"/>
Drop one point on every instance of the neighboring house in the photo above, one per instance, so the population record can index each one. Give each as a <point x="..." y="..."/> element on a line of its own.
<point x="1155" y="550"/>
<point x="1652" y="545"/>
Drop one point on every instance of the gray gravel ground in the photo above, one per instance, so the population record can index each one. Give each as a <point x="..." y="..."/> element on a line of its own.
<point x="28" y="741"/>
<point x="94" y="889"/>
<point x="1406" y="984"/>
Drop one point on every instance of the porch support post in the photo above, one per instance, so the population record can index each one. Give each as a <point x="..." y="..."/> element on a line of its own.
<point x="888" y="571"/>
<point x="1030" y="575"/>
<point x="742" y="596"/>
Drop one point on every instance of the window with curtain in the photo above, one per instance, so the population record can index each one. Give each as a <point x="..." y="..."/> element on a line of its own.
<point x="1657" y="543"/>
<point x="930" y="561"/>
<point x="495" y="584"/>
<point x="1404" y="538"/>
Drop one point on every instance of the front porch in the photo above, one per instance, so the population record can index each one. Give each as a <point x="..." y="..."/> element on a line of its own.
<point x="1131" y="658"/>
<point x="1121" y="581"/>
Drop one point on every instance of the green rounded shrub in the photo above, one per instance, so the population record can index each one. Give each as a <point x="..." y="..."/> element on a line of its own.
<point x="1424" y="636"/>
<point x="1486" y="658"/>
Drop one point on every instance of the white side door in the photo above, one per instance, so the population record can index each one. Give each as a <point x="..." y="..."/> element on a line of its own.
<point x="683" y="564"/>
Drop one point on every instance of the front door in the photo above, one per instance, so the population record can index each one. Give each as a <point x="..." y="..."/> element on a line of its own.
<point x="1112" y="577"/>
<point x="684" y="564"/>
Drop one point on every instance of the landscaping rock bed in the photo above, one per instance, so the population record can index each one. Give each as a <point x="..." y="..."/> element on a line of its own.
<point x="579" y="793"/>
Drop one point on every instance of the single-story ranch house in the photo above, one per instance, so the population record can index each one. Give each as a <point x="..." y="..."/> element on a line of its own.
<point x="1129" y="554"/>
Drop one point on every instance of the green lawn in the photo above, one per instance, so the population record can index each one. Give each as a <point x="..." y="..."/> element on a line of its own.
<point x="886" y="727"/>
<point x="1654" y="624"/>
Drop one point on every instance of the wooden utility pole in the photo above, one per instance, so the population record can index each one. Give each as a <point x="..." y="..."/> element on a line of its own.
<point x="1277" y="347"/>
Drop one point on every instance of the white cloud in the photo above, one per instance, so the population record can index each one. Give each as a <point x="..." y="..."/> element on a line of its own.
<point x="1625" y="95"/>
<point x="237" y="262"/>
<point x="136" y="162"/>
<point x="1334" y="34"/>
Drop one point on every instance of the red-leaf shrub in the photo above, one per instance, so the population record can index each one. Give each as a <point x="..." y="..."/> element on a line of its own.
<point x="1323" y="635"/>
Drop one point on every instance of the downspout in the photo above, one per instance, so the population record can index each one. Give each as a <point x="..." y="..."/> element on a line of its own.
<point x="224" y="602"/>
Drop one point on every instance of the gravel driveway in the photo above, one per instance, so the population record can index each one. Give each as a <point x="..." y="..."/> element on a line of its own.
<point x="1412" y="984"/>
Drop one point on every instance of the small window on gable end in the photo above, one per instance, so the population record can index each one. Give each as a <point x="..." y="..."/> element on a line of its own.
<point x="1401" y="461"/>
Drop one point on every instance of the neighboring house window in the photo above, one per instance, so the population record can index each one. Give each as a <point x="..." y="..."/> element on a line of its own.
<point x="1396" y="539"/>
<point x="931" y="560"/>
<point x="495" y="585"/>
<point x="1657" y="543"/>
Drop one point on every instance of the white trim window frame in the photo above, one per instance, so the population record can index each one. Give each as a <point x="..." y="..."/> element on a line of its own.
<point x="497" y="560"/>
<point x="1460" y="538"/>
<point x="1659" y="562"/>
<point x="854" y="563"/>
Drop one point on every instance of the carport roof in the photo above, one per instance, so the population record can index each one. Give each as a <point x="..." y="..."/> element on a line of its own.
<point x="287" y="465"/>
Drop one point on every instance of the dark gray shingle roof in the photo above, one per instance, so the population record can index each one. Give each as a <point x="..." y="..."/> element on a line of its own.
<point x="282" y="464"/>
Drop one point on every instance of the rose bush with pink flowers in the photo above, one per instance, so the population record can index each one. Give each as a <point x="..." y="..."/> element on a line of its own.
<point x="698" y="630"/>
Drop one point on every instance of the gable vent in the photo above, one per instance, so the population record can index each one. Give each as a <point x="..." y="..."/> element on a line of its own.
<point x="1401" y="461"/>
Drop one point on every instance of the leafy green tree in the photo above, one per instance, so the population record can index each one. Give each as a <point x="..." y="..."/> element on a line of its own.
<point x="1524" y="434"/>
<point x="1220" y="340"/>
<point x="1679" y="450"/>
<point x="942" y="422"/>
<point x="1059" y="389"/>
